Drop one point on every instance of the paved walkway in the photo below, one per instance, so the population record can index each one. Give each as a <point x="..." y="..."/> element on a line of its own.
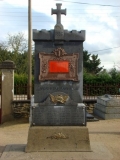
<point x="104" y="139"/>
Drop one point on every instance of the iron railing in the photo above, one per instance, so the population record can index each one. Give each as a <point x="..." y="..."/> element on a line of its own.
<point x="90" y="91"/>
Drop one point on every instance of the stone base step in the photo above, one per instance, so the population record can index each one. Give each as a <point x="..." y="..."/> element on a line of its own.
<point x="58" y="138"/>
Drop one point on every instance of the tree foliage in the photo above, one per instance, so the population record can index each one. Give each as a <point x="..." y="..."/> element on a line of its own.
<point x="4" y="54"/>
<point x="17" y="43"/>
<point x="15" y="49"/>
<point x="112" y="76"/>
<point x="91" y="63"/>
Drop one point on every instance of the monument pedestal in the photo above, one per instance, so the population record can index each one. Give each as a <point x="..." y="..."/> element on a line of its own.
<point x="58" y="127"/>
<point x="58" y="138"/>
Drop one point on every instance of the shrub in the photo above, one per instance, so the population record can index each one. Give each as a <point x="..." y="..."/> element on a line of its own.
<point x="21" y="84"/>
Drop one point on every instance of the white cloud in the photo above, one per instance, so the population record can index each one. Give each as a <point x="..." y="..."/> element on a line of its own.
<point x="109" y="60"/>
<point x="103" y="38"/>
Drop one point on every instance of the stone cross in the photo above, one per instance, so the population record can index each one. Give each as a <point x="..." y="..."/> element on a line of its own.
<point x="58" y="12"/>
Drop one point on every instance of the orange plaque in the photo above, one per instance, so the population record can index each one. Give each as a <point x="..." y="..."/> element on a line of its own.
<point x="58" y="66"/>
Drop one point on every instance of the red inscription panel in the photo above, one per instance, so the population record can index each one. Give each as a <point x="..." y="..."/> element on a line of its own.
<point x="58" y="67"/>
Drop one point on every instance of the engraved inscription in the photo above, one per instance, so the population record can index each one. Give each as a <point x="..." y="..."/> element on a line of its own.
<point x="54" y="88"/>
<point x="59" y="115"/>
<point x="59" y="34"/>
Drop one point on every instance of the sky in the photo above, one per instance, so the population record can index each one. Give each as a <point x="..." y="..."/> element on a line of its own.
<point x="99" y="18"/>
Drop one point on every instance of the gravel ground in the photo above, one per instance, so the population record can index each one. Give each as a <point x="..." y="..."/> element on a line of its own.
<point x="106" y="132"/>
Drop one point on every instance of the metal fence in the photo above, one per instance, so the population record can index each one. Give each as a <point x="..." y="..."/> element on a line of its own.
<point x="90" y="91"/>
<point x="20" y="92"/>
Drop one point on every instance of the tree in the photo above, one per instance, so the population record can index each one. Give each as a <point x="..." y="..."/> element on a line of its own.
<point x="22" y="63"/>
<point x="114" y="73"/>
<point x="91" y="63"/>
<point x="86" y="58"/>
<point x="16" y="49"/>
<point x="5" y="55"/>
<point x="17" y="43"/>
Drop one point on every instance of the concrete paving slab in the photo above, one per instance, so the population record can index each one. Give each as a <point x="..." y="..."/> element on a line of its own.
<point x="16" y="152"/>
<point x="2" y="148"/>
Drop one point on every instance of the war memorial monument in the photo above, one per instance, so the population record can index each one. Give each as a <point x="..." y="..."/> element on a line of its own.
<point x="57" y="115"/>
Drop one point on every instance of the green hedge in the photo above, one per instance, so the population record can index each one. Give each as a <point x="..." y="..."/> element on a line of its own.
<point x="103" y="83"/>
<point x="21" y="84"/>
<point x="100" y="78"/>
<point x="21" y="79"/>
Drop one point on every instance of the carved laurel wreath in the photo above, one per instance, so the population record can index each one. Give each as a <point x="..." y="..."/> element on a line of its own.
<point x="59" y="52"/>
<point x="59" y="98"/>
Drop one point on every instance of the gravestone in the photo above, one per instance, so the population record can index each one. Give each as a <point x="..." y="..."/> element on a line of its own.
<point x="57" y="115"/>
<point x="107" y="107"/>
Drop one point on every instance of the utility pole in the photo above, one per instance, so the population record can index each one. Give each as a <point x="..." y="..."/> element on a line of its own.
<point x="29" y="51"/>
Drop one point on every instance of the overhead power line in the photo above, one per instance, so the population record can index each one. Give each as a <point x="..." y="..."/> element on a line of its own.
<point x="105" y="49"/>
<point x="104" y="5"/>
<point x="76" y="11"/>
<point x="48" y="9"/>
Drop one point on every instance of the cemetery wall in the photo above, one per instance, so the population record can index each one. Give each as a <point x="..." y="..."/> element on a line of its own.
<point x="21" y="109"/>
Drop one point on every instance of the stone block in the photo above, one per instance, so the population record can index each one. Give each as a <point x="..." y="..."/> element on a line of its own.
<point x="105" y="109"/>
<point x="106" y="115"/>
<point x="108" y="101"/>
<point x="50" y="139"/>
